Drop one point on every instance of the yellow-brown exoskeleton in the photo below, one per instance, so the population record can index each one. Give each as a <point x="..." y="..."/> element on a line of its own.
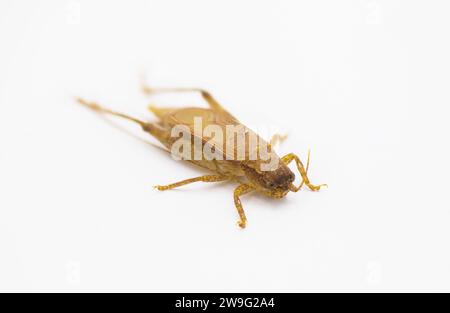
<point x="245" y="170"/>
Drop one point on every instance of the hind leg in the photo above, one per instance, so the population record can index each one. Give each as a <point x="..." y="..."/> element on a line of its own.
<point x="100" y="109"/>
<point x="205" y="94"/>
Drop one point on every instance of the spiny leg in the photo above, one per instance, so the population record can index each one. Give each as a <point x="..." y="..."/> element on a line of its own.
<point x="205" y="178"/>
<point x="303" y="172"/>
<point x="239" y="191"/>
<point x="205" y="94"/>
<point x="97" y="108"/>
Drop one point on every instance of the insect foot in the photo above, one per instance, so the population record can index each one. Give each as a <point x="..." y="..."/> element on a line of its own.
<point x="316" y="188"/>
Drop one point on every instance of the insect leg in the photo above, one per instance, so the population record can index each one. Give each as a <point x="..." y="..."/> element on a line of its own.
<point x="205" y="178"/>
<point x="154" y="129"/>
<point x="205" y="94"/>
<point x="94" y="106"/>
<point x="239" y="191"/>
<point x="303" y="172"/>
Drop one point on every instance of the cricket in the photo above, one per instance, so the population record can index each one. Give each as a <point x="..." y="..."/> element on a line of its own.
<point x="248" y="160"/>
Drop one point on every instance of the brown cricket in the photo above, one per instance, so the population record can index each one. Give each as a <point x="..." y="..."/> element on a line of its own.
<point x="246" y="170"/>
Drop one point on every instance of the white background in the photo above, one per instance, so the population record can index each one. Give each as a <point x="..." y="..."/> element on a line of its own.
<point x="363" y="83"/>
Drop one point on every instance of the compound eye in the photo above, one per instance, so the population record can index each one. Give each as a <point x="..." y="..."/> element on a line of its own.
<point x="291" y="177"/>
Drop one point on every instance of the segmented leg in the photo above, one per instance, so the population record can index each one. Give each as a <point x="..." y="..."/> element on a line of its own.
<point x="205" y="94"/>
<point x="239" y="191"/>
<point x="205" y="178"/>
<point x="96" y="107"/>
<point x="154" y="129"/>
<point x="303" y="172"/>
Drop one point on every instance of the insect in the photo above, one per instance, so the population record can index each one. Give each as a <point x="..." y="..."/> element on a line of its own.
<point x="246" y="171"/>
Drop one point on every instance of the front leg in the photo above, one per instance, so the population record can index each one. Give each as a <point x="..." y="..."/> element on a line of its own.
<point x="239" y="191"/>
<point x="303" y="172"/>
